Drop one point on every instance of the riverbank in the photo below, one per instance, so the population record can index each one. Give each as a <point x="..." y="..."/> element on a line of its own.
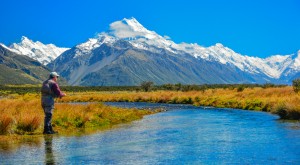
<point x="282" y="101"/>
<point x="24" y="116"/>
<point x="185" y="133"/>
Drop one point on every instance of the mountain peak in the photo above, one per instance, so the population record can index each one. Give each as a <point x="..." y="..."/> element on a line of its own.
<point x="25" y="41"/>
<point x="219" y="45"/>
<point x="130" y="29"/>
<point x="24" y="38"/>
<point x="197" y="64"/>
<point x="134" y="24"/>
<point x="37" y="50"/>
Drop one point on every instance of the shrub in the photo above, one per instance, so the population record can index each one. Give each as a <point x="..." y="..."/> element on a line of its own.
<point x="268" y="85"/>
<point x="240" y="88"/>
<point x="178" y="87"/>
<point x="146" y="85"/>
<point x="296" y="85"/>
<point x="281" y="110"/>
<point x="287" y="111"/>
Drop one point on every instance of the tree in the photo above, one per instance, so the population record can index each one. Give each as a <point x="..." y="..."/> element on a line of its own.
<point x="268" y="85"/>
<point x="168" y="86"/>
<point x="296" y="85"/>
<point x="240" y="88"/>
<point x="178" y="86"/>
<point x="146" y="85"/>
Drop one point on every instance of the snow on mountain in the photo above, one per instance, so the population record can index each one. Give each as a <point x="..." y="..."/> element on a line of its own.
<point x="37" y="50"/>
<point x="296" y="64"/>
<point x="92" y="43"/>
<point x="272" y="66"/>
<point x="13" y="50"/>
<point x="293" y="67"/>
<point x="86" y="47"/>
<point x="140" y="37"/>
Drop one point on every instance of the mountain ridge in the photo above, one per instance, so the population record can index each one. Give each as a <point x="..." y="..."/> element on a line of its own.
<point x="111" y="50"/>
<point x="44" y="53"/>
<point x="122" y="58"/>
<point x="217" y="52"/>
<point x="130" y="34"/>
<point x="20" y="69"/>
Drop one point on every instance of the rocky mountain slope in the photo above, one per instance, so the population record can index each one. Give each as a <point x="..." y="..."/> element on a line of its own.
<point x="20" y="69"/>
<point x="128" y="54"/>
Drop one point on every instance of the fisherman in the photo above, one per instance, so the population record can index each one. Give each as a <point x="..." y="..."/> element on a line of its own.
<point x="50" y="90"/>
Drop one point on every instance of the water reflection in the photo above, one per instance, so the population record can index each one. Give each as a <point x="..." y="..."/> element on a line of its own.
<point x="11" y="144"/>
<point x="182" y="135"/>
<point x="49" y="156"/>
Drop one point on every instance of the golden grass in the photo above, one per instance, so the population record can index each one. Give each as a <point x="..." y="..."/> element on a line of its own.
<point x="282" y="101"/>
<point x="6" y="123"/>
<point x="24" y="115"/>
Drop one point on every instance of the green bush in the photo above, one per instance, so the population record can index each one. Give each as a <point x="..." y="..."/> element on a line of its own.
<point x="146" y="85"/>
<point x="240" y="88"/>
<point x="296" y="85"/>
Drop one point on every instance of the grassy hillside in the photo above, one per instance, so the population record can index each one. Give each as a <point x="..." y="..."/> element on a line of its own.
<point x="18" y="69"/>
<point x="15" y="76"/>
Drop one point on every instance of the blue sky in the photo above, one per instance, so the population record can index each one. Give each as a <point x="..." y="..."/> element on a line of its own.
<point x="250" y="27"/>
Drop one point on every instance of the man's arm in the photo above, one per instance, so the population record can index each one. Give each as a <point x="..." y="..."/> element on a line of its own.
<point x="57" y="91"/>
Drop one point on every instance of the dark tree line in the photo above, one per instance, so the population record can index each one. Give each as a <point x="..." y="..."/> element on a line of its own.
<point x="144" y="86"/>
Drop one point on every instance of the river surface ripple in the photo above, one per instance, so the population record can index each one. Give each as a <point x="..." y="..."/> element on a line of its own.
<point x="184" y="134"/>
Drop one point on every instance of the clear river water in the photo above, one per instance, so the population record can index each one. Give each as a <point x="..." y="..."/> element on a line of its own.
<point x="183" y="134"/>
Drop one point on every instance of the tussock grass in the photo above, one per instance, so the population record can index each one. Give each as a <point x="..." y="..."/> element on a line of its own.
<point x="70" y="116"/>
<point x="5" y="124"/>
<point x="282" y="101"/>
<point x="24" y="115"/>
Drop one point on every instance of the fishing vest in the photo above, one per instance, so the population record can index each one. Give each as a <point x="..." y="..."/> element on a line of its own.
<point x="47" y="88"/>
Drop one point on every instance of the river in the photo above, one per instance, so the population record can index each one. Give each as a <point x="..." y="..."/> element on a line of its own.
<point x="181" y="135"/>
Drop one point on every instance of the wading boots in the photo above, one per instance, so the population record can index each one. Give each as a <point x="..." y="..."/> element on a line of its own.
<point x="49" y="130"/>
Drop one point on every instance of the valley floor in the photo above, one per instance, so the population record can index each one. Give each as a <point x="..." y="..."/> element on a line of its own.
<point x="21" y="114"/>
<point x="278" y="100"/>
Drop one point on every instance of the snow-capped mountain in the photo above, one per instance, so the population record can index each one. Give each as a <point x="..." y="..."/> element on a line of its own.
<point x="140" y="37"/>
<point x="20" y="69"/>
<point x="37" y="50"/>
<point x="128" y="48"/>
<point x="128" y="53"/>
<point x="272" y="66"/>
<point x="132" y="31"/>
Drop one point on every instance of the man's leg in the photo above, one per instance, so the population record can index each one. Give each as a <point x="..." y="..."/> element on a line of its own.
<point x="48" y="110"/>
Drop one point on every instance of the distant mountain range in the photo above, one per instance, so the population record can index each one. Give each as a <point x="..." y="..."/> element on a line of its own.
<point x="37" y="50"/>
<point x="128" y="54"/>
<point x="20" y="69"/>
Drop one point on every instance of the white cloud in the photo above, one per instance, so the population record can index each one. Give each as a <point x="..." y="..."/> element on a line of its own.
<point x="122" y="30"/>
